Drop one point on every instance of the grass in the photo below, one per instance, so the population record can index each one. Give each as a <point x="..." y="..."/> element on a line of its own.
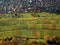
<point x="26" y="15"/>
<point x="26" y="24"/>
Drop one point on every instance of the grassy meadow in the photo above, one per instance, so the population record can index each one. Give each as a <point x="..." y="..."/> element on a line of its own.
<point x="28" y="26"/>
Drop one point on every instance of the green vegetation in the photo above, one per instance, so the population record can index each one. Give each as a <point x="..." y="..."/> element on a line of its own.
<point x="26" y="24"/>
<point x="28" y="15"/>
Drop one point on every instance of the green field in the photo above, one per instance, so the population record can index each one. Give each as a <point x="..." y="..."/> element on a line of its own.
<point x="26" y="24"/>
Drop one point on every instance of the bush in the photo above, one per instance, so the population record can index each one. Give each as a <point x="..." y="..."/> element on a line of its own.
<point x="54" y="40"/>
